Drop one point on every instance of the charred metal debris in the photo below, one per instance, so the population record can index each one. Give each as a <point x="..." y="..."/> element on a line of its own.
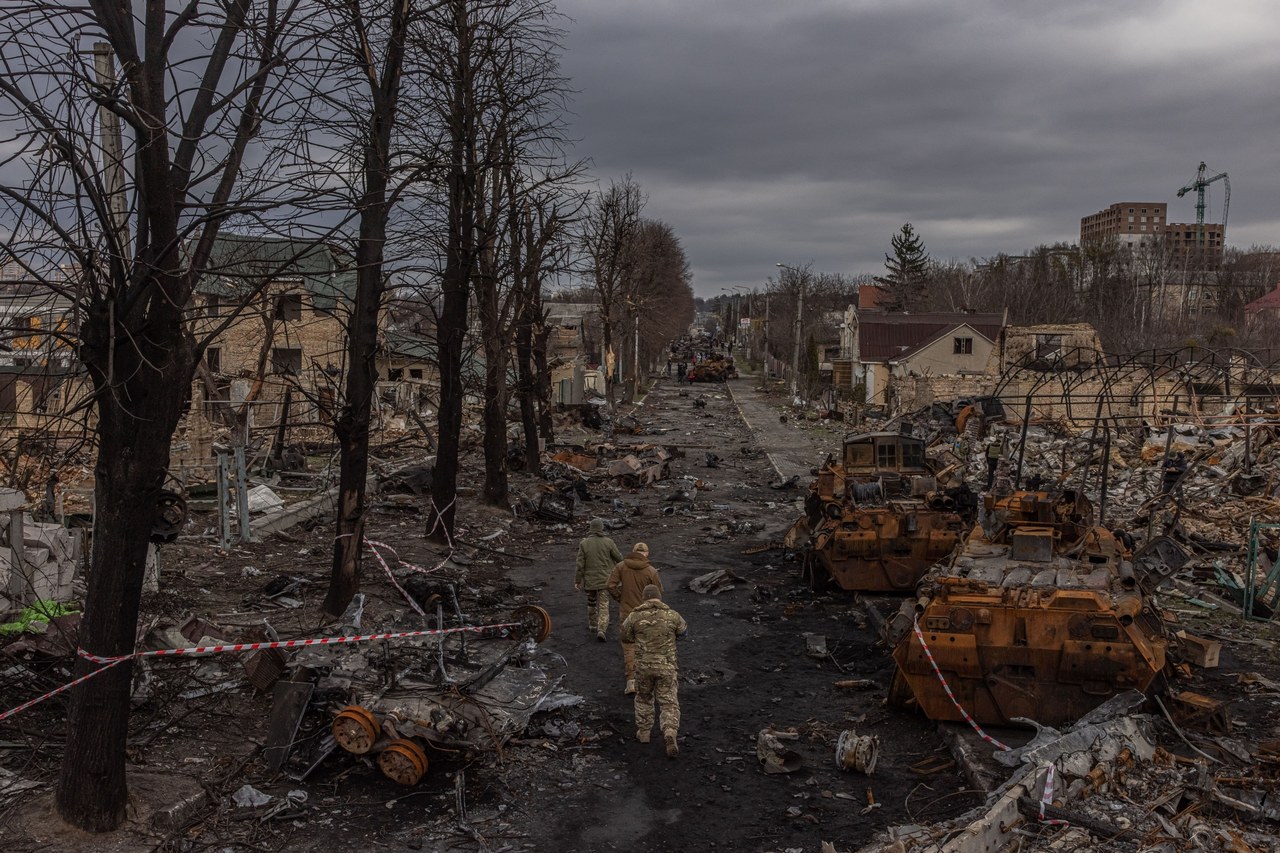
<point x="1058" y="555"/>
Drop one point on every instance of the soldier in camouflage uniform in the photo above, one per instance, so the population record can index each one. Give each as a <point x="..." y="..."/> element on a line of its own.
<point x="597" y="555"/>
<point x="654" y="628"/>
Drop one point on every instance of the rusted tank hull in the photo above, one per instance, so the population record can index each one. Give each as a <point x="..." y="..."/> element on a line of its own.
<point x="1045" y="654"/>
<point x="881" y="550"/>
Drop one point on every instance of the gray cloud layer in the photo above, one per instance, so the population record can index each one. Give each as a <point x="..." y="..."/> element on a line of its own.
<point x="811" y="130"/>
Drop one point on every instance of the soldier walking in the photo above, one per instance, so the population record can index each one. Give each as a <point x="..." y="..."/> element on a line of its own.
<point x="626" y="586"/>
<point x="597" y="555"/>
<point x="654" y="628"/>
<point x="995" y="450"/>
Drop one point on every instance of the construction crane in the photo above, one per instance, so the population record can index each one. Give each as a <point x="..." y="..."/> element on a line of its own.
<point x="1198" y="187"/>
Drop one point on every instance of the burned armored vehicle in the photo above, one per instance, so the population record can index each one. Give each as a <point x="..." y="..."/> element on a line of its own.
<point x="1039" y="614"/>
<point x="876" y="519"/>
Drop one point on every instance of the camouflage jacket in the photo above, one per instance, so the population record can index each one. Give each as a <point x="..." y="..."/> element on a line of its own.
<point x="597" y="555"/>
<point x="654" y="628"/>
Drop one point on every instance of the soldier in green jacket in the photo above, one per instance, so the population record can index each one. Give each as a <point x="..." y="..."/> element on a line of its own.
<point x="654" y="628"/>
<point x="597" y="555"/>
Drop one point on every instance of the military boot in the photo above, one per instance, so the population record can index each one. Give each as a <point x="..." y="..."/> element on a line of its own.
<point x="643" y="737"/>
<point x="673" y="749"/>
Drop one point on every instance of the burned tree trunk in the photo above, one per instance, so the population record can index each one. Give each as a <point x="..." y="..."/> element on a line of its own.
<point x="133" y="456"/>
<point x="374" y="209"/>
<point x="526" y="390"/>
<point x="352" y="427"/>
<point x="542" y="373"/>
<point x="460" y="251"/>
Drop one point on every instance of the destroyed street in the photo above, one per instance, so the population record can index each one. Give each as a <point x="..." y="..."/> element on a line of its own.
<point x="517" y="734"/>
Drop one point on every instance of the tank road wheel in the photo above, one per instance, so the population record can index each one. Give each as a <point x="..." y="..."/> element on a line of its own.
<point x="534" y="622"/>
<point x="403" y="762"/>
<point x="355" y="729"/>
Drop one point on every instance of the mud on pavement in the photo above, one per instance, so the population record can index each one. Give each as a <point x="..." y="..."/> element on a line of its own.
<point x="744" y="668"/>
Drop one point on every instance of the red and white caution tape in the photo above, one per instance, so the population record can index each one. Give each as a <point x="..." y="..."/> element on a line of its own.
<point x="64" y="688"/>
<point x="915" y="624"/>
<point x="109" y="661"/>
<point x="295" y="644"/>
<point x="1046" y="798"/>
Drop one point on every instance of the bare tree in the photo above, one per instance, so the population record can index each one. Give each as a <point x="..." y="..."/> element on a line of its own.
<point x="608" y="229"/>
<point x="498" y="103"/>
<point x="138" y="235"/>
<point x="524" y="133"/>
<point x="369" y="46"/>
<point x="658" y="298"/>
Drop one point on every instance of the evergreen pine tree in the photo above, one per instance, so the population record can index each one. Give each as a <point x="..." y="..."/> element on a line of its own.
<point x="906" y="270"/>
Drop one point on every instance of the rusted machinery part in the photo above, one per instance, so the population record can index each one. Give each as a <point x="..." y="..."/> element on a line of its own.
<point x="857" y="752"/>
<point x="403" y="761"/>
<point x="355" y="729"/>
<point x="534" y="622"/>
<point x="812" y="573"/>
<point x="171" y="516"/>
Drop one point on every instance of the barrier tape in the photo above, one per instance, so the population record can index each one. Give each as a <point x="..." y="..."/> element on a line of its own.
<point x="1046" y="799"/>
<point x="292" y="644"/>
<point x="106" y="662"/>
<point x="36" y="701"/>
<point x="915" y="624"/>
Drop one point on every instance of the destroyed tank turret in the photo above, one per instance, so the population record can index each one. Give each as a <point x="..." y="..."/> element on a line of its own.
<point x="876" y="520"/>
<point x="717" y="368"/>
<point x="1038" y="615"/>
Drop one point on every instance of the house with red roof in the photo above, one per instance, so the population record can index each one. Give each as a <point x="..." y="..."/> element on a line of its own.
<point x="1264" y="308"/>
<point x="891" y="346"/>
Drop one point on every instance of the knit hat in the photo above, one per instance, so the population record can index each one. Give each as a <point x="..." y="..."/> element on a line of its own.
<point x="597" y="525"/>
<point x="641" y="548"/>
<point x="651" y="592"/>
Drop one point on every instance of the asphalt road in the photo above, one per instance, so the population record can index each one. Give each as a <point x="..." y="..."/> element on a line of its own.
<point x="743" y="668"/>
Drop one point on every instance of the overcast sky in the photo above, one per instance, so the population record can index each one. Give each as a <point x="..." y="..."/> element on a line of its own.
<point x="810" y="130"/>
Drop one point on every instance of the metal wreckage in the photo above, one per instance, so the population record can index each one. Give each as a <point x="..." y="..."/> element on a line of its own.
<point x="1024" y="604"/>
<point x="466" y="691"/>
<point x="875" y="520"/>
<point x="1031" y="608"/>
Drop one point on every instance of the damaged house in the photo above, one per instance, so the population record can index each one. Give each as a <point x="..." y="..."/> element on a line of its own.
<point x="573" y="351"/>
<point x="284" y="349"/>
<point x="884" y="349"/>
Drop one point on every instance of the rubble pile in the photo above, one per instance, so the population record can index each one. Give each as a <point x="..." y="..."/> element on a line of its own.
<point x="1201" y="485"/>
<point x="1105" y="784"/>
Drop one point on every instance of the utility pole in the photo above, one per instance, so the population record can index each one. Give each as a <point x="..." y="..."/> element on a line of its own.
<point x="795" y="352"/>
<point x="764" y="371"/>
<point x="797" y="328"/>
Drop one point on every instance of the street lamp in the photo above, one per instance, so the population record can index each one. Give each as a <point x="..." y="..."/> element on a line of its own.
<point x="795" y="351"/>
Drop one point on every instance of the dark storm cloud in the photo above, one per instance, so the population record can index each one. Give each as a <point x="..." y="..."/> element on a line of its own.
<point x="811" y="130"/>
